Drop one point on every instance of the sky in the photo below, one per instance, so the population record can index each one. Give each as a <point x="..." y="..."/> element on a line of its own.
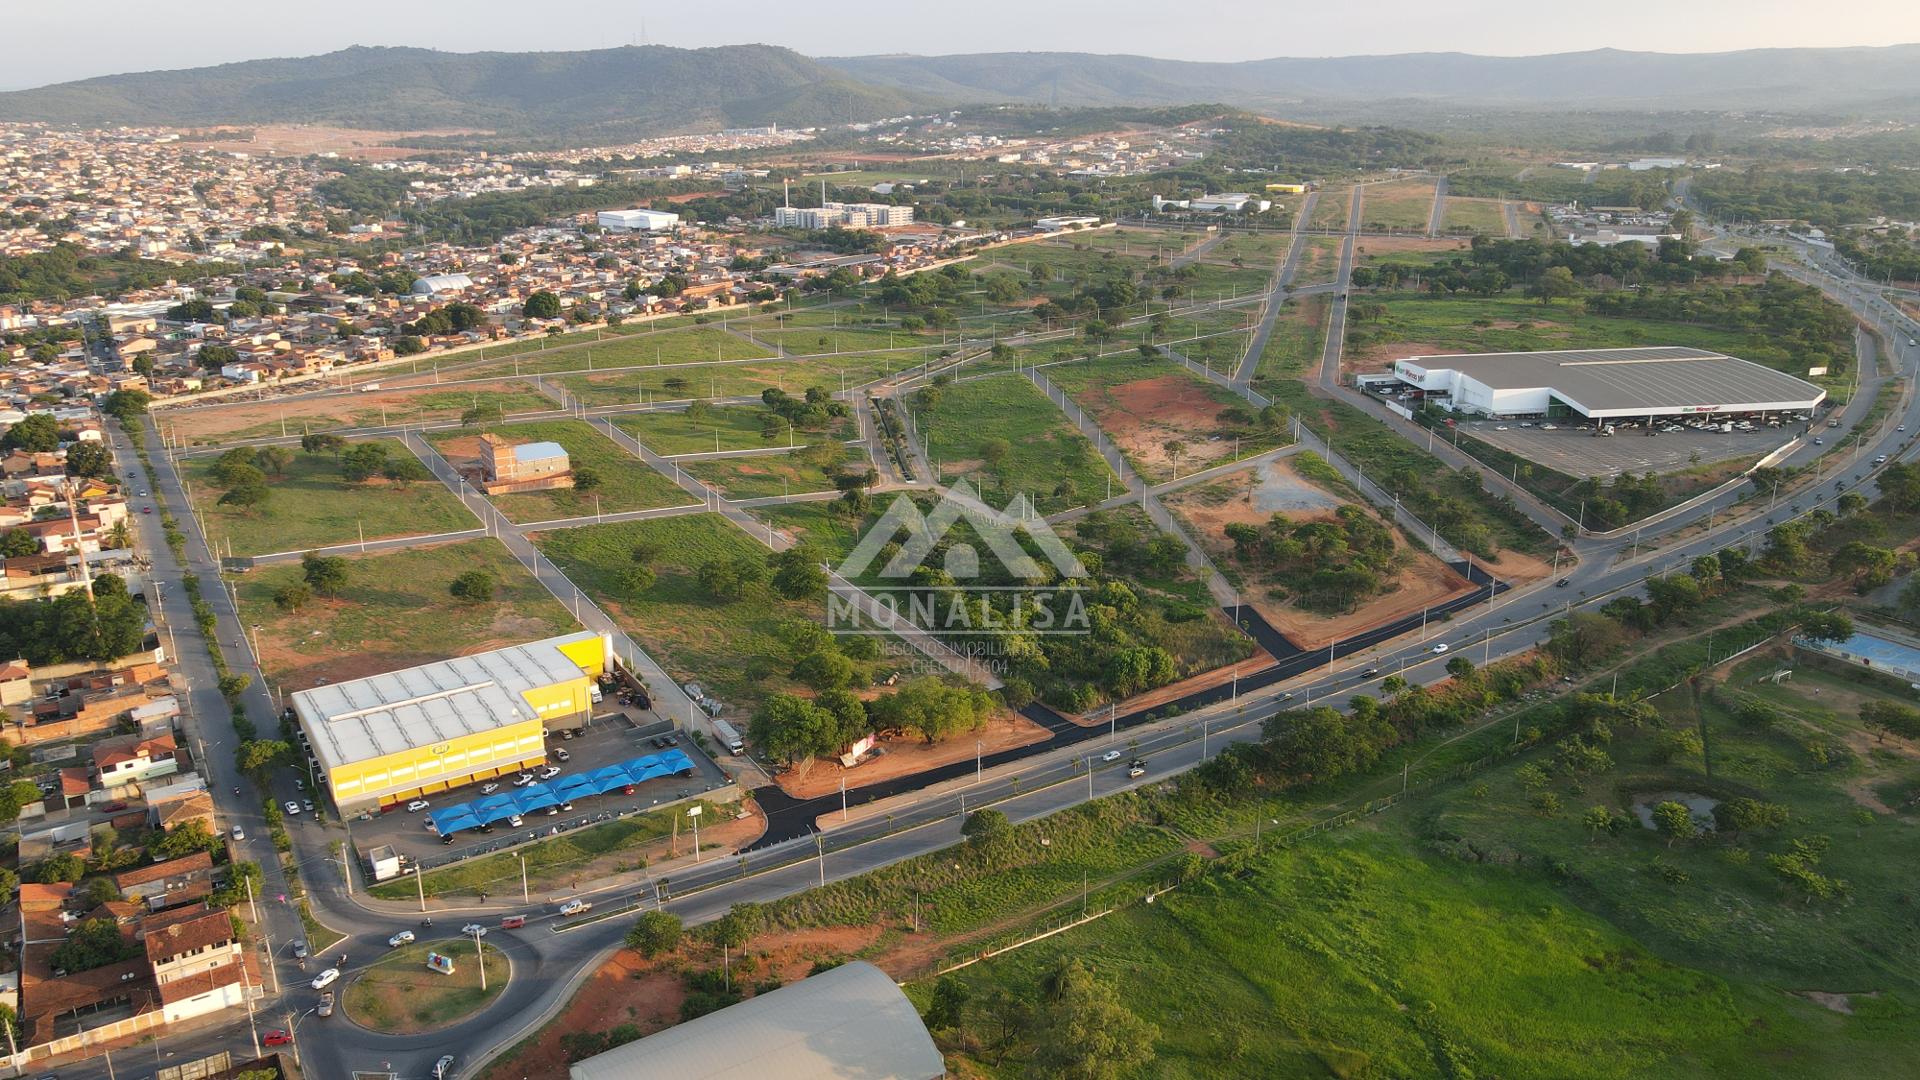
<point x="102" y="37"/>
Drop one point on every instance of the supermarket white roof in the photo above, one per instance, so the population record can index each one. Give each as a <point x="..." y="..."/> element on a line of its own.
<point x="844" y="1023"/>
<point x="1615" y="381"/>
<point x="420" y="706"/>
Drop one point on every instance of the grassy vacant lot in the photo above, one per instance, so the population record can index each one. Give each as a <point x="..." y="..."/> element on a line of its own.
<point x="687" y="345"/>
<point x="1144" y="403"/>
<point x="1319" y="262"/>
<point x="399" y="995"/>
<point x="691" y="381"/>
<point x="818" y="523"/>
<point x="396" y="612"/>
<point x="1330" y="210"/>
<point x="314" y="506"/>
<point x="1165" y="244"/>
<point x="728" y="646"/>
<point x="297" y="416"/>
<point x="1008" y="415"/>
<point x="1486" y="930"/>
<point x="625" y="483"/>
<point x="760" y="475"/>
<point x="1252" y="248"/>
<point x="738" y="427"/>
<point x="824" y="340"/>
<point x="1299" y="335"/>
<point x="549" y="862"/>
<point x="1475" y="215"/>
<point x="1403" y="204"/>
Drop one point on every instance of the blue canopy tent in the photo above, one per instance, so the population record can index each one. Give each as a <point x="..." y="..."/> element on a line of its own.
<point x="505" y="804"/>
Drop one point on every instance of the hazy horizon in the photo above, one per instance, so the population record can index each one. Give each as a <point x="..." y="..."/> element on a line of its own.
<point x="128" y="36"/>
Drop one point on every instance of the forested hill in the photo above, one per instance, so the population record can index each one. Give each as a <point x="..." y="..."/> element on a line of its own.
<point x="611" y="93"/>
<point x="1794" y="80"/>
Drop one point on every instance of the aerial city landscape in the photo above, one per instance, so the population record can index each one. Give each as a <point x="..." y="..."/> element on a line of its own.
<point x="586" y="552"/>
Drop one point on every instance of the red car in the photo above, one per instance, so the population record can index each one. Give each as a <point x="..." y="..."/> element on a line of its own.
<point x="114" y="807"/>
<point x="146" y="509"/>
<point x="276" y="1037"/>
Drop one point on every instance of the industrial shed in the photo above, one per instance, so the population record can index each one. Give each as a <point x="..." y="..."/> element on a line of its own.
<point x="850" y="1022"/>
<point x="1603" y="384"/>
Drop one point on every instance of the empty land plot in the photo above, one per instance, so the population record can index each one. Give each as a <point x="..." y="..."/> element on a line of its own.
<point x="1003" y="435"/>
<point x="1145" y="242"/>
<point x="1062" y="260"/>
<point x="729" y="646"/>
<point x="1213" y="281"/>
<point x="826" y="340"/>
<point x="1298" y="339"/>
<point x="822" y="524"/>
<point x="1410" y="581"/>
<point x="1319" y="262"/>
<point x="685" y="382"/>
<point x="1330" y="210"/>
<point x="1166" y="420"/>
<point x="668" y="432"/>
<point x="315" y="505"/>
<point x="626" y="483"/>
<point x="1252" y="248"/>
<point x="1402" y="204"/>
<point x="761" y="475"/>
<point x="395" y="611"/>
<point x="1475" y="215"/>
<point x="691" y="345"/>
<point x="1409" y="250"/>
<point x="215" y="425"/>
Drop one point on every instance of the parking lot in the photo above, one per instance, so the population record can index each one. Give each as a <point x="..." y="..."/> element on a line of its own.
<point x="1577" y="452"/>
<point x="615" y="735"/>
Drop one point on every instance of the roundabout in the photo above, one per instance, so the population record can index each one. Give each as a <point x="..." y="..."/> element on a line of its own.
<point x="400" y="994"/>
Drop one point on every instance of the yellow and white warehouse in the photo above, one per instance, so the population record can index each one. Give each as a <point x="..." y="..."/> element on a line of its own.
<point x="406" y="734"/>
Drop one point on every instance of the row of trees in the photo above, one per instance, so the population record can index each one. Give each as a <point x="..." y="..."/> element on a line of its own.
<point x="794" y="729"/>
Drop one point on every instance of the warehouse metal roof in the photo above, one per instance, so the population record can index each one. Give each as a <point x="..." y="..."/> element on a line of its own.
<point x="848" y="1022"/>
<point x="537" y="451"/>
<point x="1650" y="377"/>
<point x="421" y="706"/>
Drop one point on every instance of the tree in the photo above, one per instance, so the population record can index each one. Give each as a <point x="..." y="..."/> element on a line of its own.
<point x="1091" y="1035"/>
<point x="732" y="578"/>
<point x="1674" y="821"/>
<point x="586" y="479"/>
<point x="37" y="434"/>
<point x="994" y="452"/>
<point x="1598" y="819"/>
<point x="984" y="828"/>
<point x="403" y="471"/>
<point x="473" y="587"/>
<point x="363" y="461"/>
<point x="325" y="574"/>
<point x="1678" y="743"/>
<point x="126" y="405"/>
<point x="654" y="934"/>
<point x="245" y="497"/>
<point x="792" y="729"/>
<point x="931" y="708"/>
<point x="1741" y="814"/>
<point x="827" y="669"/>
<point x="1891" y="718"/>
<point x="1460" y="668"/>
<point x="635" y="580"/>
<point x="1174" y="448"/>
<point x="1555" y="283"/>
<point x="259" y="754"/>
<point x="292" y="596"/>
<point x="89" y="459"/>
<point x="322" y="443"/>
<point x="542" y="305"/>
<point x="738" y="926"/>
<point x="184" y="840"/>
<point x="797" y="573"/>
<point x="948" y="1008"/>
<point x="274" y="460"/>
<point x="64" y="867"/>
<point x="17" y="543"/>
<point x="1868" y="566"/>
<point x="94" y="943"/>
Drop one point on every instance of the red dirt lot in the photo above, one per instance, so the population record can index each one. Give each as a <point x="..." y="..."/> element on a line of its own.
<point x="1141" y="416"/>
<point x="908" y="754"/>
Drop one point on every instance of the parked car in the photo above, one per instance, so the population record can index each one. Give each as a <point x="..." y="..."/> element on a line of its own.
<point x="566" y="807"/>
<point x="562" y="755"/>
<point x="326" y="978"/>
<point x="488" y="789"/>
<point x="300" y="950"/>
<point x="549" y="772"/>
<point x="523" y="779"/>
<point x="474" y="929"/>
<point x="116" y="807"/>
<point x="447" y="839"/>
<point x="404" y="937"/>
<point x="628" y="790"/>
<point x="276" y="1037"/>
<point x="239" y="833"/>
<point x="417" y="805"/>
<point x="307" y="805"/>
<point x="515" y="821"/>
<point x="292" y="808"/>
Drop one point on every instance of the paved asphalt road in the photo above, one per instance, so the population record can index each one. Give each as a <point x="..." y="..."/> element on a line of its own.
<point x="548" y="964"/>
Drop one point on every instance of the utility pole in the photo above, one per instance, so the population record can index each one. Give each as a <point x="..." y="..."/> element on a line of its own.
<point x="420" y="886"/>
<point x="523" y="880"/>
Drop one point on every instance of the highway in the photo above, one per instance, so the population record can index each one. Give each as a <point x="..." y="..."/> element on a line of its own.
<point x="549" y="961"/>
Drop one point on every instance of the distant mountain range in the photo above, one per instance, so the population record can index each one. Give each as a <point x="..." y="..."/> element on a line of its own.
<point x="634" y="91"/>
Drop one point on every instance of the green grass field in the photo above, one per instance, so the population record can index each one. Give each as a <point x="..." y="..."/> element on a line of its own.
<point x="760" y="475"/>
<point x="625" y="482"/>
<point x="640" y="348"/>
<point x="1400" y="205"/>
<point x="1319" y="262"/>
<point x="738" y="427"/>
<point x="1475" y="215"/>
<point x="214" y="426"/>
<point x="1042" y="447"/>
<point x="692" y="381"/>
<point x="314" y="506"/>
<point x="1330" y="209"/>
<point x="1253" y="248"/>
<point x="1294" y="348"/>
<point x="1136" y="242"/>
<point x="397" y="994"/>
<point x="396" y="608"/>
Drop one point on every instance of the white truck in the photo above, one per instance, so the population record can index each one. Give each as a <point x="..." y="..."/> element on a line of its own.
<point x="729" y="737"/>
<point x="575" y="907"/>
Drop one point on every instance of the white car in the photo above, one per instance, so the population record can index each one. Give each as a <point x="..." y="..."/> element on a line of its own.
<point x="474" y="929"/>
<point x="326" y="978"/>
<point x="1111" y="755"/>
<point x="515" y="821"/>
<point x="443" y="1068"/>
<point x="523" y="779"/>
<point x="404" y="937"/>
<point x="292" y="808"/>
<point x="1440" y="648"/>
<point x="488" y="789"/>
<point x="416" y="806"/>
<point x="239" y="833"/>
<point x="549" y="772"/>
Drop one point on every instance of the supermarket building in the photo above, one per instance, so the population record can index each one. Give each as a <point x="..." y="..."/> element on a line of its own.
<point x="406" y="734"/>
